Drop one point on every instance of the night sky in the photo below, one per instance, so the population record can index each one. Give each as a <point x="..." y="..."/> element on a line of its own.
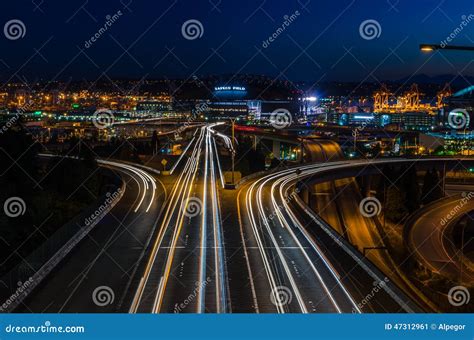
<point x="322" y="43"/>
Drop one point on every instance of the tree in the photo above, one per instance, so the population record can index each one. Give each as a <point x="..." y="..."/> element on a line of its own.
<point x="395" y="209"/>
<point x="155" y="143"/>
<point x="256" y="159"/>
<point x="431" y="187"/>
<point x="409" y="185"/>
<point x="88" y="156"/>
<point x="274" y="163"/>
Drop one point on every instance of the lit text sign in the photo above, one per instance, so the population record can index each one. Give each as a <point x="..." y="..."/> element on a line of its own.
<point x="229" y="88"/>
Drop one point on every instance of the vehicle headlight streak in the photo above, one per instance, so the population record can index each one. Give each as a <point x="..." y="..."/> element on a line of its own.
<point x="227" y="139"/>
<point x="182" y="155"/>
<point x="277" y="247"/>
<point x="178" y="194"/>
<point x="281" y="183"/>
<point x="144" y="177"/>
<point x="218" y="244"/>
<point x="202" y="264"/>
<point x="228" y="143"/>
<point x="141" y="174"/>
<point x="260" y="184"/>
<point x="175" y="216"/>
<point x="261" y="248"/>
<point x="186" y="187"/>
<point x="285" y="180"/>
<point x="221" y="176"/>
<point x="209" y="168"/>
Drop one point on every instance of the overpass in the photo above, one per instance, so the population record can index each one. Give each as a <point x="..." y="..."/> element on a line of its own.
<point x="304" y="177"/>
<point x="311" y="149"/>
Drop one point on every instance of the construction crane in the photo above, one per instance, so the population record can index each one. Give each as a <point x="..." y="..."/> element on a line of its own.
<point x="409" y="101"/>
<point x="444" y="93"/>
<point x="381" y="99"/>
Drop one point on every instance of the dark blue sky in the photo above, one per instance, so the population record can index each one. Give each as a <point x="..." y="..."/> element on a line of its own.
<point x="323" y="42"/>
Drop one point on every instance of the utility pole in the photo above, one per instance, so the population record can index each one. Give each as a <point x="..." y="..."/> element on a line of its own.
<point x="462" y="251"/>
<point x="355" y="140"/>
<point x="233" y="149"/>
<point x="444" y="179"/>
<point x="465" y="146"/>
<point x="434" y="47"/>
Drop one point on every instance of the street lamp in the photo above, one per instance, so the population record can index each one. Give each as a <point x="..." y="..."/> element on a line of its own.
<point x="232" y="120"/>
<point x="434" y="47"/>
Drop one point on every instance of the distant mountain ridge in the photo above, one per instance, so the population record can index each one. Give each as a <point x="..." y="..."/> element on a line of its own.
<point x="456" y="81"/>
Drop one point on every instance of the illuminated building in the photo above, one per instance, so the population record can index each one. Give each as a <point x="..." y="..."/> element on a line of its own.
<point x="234" y="101"/>
<point x="152" y="107"/>
<point x="463" y="99"/>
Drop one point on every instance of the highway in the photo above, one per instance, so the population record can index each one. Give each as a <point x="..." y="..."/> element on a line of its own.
<point x="337" y="203"/>
<point x="295" y="249"/>
<point x="299" y="277"/>
<point x="108" y="255"/>
<point x="430" y="240"/>
<point x="186" y="270"/>
<point x="259" y="249"/>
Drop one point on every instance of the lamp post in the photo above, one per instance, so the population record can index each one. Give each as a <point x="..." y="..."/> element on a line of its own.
<point x="462" y="252"/>
<point x="435" y="47"/>
<point x="233" y="149"/>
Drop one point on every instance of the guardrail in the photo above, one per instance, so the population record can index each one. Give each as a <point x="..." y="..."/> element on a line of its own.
<point x="390" y="288"/>
<point x="36" y="266"/>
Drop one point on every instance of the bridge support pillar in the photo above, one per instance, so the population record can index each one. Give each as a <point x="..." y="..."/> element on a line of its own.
<point x="443" y="177"/>
<point x="276" y="149"/>
<point x="300" y="158"/>
<point x="256" y="140"/>
<point x="305" y="194"/>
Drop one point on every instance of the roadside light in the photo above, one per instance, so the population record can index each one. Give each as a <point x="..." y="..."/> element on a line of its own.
<point x="427" y="48"/>
<point x="432" y="47"/>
